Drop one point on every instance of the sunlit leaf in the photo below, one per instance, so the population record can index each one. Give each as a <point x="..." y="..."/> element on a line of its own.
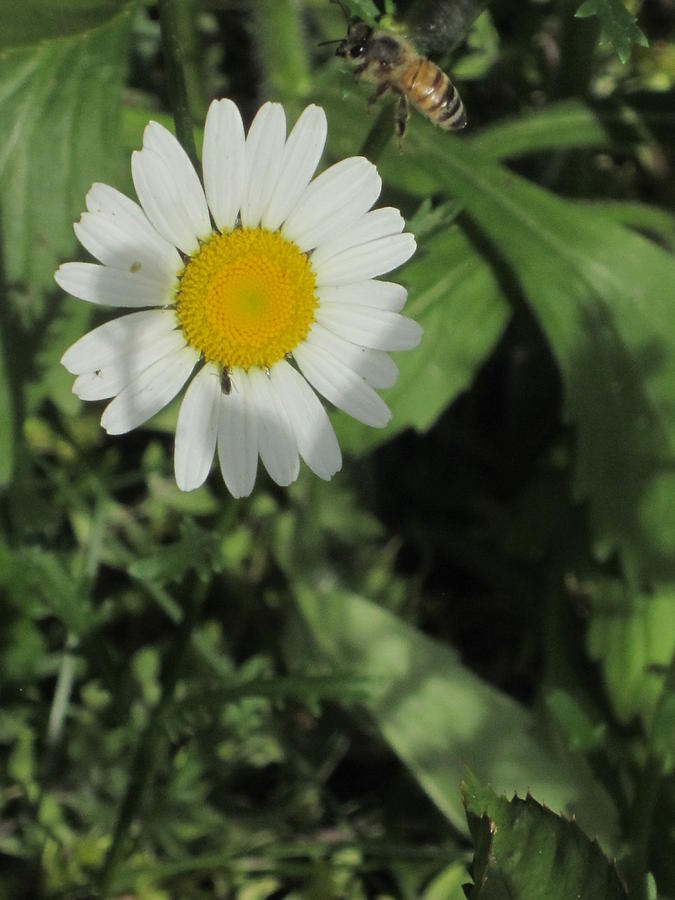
<point x="437" y="715"/>
<point x="30" y="21"/>
<point x="59" y="106"/>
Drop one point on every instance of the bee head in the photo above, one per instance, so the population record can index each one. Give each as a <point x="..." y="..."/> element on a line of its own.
<point x="355" y="44"/>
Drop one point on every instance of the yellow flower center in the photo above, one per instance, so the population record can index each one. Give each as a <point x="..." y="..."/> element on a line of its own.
<point x="247" y="298"/>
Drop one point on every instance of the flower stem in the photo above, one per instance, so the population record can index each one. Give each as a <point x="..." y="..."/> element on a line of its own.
<point x="145" y="759"/>
<point x="378" y="137"/>
<point x="282" y="48"/>
<point x="172" y="25"/>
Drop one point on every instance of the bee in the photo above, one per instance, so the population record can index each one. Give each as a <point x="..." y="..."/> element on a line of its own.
<point x="391" y="62"/>
<point x="225" y="381"/>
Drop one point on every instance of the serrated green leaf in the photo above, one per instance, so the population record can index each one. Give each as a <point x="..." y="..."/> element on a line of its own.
<point x="618" y="25"/>
<point x="436" y="714"/>
<point x="523" y="851"/>
<point x="32" y="21"/>
<point x="603" y="297"/>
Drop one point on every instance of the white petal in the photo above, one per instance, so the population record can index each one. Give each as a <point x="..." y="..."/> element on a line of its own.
<point x="264" y="151"/>
<point x="314" y="433"/>
<point x="169" y="189"/>
<point x="368" y="260"/>
<point x="111" y="287"/>
<point x="113" y="339"/>
<point x="376" y="328"/>
<point x="197" y="429"/>
<point x="300" y="158"/>
<point x="377" y="294"/>
<point x="117" y="232"/>
<point x="341" y="386"/>
<point x="334" y="200"/>
<point x="151" y="391"/>
<point x="373" y="225"/>
<point x="238" y="437"/>
<point x="277" y="445"/>
<point x="107" y="380"/>
<point x="224" y="162"/>
<point x="376" y="366"/>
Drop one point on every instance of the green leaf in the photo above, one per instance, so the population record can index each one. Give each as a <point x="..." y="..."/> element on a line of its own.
<point x="46" y="575"/>
<point x="633" y="639"/>
<point x="457" y="299"/>
<point x="196" y="549"/>
<point x="59" y="106"/>
<point x="31" y="21"/>
<point x="449" y="884"/>
<point x="59" y="103"/>
<point x="603" y="297"/>
<point x="437" y="715"/>
<point x="617" y="23"/>
<point x="567" y="124"/>
<point x="362" y="9"/>
<point x="522" y="851"/>
<point x="582" y="733"/>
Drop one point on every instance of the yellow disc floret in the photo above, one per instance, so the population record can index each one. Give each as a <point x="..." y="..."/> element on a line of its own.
<point x="247" y="298"/>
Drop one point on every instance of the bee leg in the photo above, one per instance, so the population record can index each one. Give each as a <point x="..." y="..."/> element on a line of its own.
<point x="380" y="92"/>
<point x="401" y="115"/>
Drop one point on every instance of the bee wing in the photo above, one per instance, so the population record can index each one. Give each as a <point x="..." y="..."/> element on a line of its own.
<point x="438" y="28"/>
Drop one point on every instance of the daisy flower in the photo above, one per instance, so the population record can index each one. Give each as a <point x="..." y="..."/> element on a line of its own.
<point x="258" y="288"/>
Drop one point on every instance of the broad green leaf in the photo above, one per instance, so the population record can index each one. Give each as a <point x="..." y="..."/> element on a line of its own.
<point x="456" y="298"/>
<point x="437" y="715"/>
<point x="523" y="851"/>
<point x="617" y="23"/>
<point x="31" y="21"/>
<point x="650" y="220"/>
<point x="633" y="639"/>
<point x="567" y="124"/>
<point x="603" y="297"/>
<point x="59" y="110"/>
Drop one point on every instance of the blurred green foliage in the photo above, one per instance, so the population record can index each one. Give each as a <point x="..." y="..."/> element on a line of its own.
<point x="277" y="697"/>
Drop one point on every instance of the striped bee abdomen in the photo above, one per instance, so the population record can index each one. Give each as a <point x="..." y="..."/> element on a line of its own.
<point x="434" y="95"/>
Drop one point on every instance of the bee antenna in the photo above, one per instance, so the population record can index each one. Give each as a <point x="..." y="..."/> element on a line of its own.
<point x="325" y="43"/>
<point x="345" y="11"/>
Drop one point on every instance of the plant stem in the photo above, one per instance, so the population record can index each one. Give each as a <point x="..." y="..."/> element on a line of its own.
<point x="281" y="48"/>
<point x="378" y="137"/>
<point x="176" y="57"/>
<point x="145" y="758"/>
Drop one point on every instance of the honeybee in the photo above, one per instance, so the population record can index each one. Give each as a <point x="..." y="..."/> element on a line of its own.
<point x="391" y="62"/>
